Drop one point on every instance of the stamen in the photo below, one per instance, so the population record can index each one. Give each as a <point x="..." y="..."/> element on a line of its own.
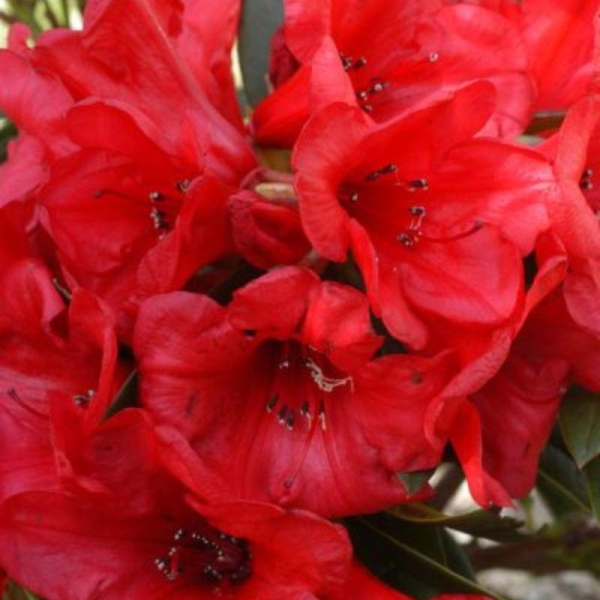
<point x="216" y="555"/>
<point x="156" y="196"/>
<point x="321" y="415"/>
<point x="359" y="63"/>
<point x="418" y="184"/>
<point x="289" y="421"/>
<point x="378" y="86"/>
<point x="281" y="415"/>
<point x="271" y="402"/>
<point x="434" y="57"/>
<point x="406" y="239"/>
<point x="85" y="398"/>
<point x="183" y="186"/>
<point x="585" y="182"/>
<point x="327" y="384"/>
<point x="452" y="238"/>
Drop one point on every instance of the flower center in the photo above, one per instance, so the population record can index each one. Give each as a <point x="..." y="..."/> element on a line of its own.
<point x="384" y="200"/>
<point x="209" y="554"/>
<point x="369" y="85"/>
<point x="163" y="206"/>
<point x="303" y="379"/>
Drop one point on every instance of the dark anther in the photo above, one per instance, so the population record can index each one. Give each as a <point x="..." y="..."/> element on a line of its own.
<point x="183" y="186"/>
<point x="84" y="399"/>
<point x="281" y="415"/>
<point x="405" y="239"/>
<point x="289" y="420"/>
<point x="156" y="196"/>
<point x="417" y="211"/>
<point x="378" y="86"/>
<point x="391" y="168"/>
<point x="418" y="184"/>
<point x="271" y="402"/>
<point x="360" y="62"/>
<point x="373" y="176"/>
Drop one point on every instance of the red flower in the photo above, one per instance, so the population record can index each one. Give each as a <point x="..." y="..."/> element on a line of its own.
<point x="559" y="39"/>
<point x="497" y="412"/>
<point x="80" y="547"/>
<point x="287" y="404"/>
<point x="57" y="378"/>
<point x="138" y="178"/>
<point x="437" y="221"/>
<point x="395" y="55"/>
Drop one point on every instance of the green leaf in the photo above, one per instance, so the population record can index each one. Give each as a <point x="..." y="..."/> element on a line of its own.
<point x="591" y="473"/>
<point x="126" y="397"/>
<point x="420" y="561"/>
<point x="15" y="592"/>
<point x="413" y="482"/>
<point x="260" y="19"/>
<point x="479" y="523"/>
<point x="580" y="424"/>
<point x="7" y="132"/>
<point x="561" y="483"/>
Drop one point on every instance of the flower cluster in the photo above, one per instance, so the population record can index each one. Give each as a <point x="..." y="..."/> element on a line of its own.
<point x="218" y="335"/>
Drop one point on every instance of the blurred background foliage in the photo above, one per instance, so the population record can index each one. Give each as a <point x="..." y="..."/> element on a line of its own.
<point x="439" y="546"/>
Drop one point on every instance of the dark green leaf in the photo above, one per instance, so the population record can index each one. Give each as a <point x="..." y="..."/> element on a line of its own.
<point x="126" y="397"/>
<point x="7" y="132"/>
<point x="580" y="424"/>
<point x="15" y="592"/>
<point x="561" y="483"/>
<point x="480" y="523"/>
<point x="260" y="19"/>
<point x="417" y="560"/>
<point x="413" y="482"/>
<point x="591" y="474"/>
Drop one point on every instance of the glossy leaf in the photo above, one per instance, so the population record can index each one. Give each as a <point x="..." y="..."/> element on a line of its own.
<point x="580" y="423"/>
<point x="479" y="523"/>
<point x="420" y="561"/>
<point x="561" y="483"/>
<point x="591" y="474"/>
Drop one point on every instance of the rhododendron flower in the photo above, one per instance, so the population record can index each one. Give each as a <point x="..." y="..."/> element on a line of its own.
<point x="396" y="55"/>
<point x="437" y="221"/>
<point x="84" y="547"/>
<point x="59" y="374"/>
<point x="136" y="181"/>
<point x="559" y="38"/>
<point x="282" y="402"/>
